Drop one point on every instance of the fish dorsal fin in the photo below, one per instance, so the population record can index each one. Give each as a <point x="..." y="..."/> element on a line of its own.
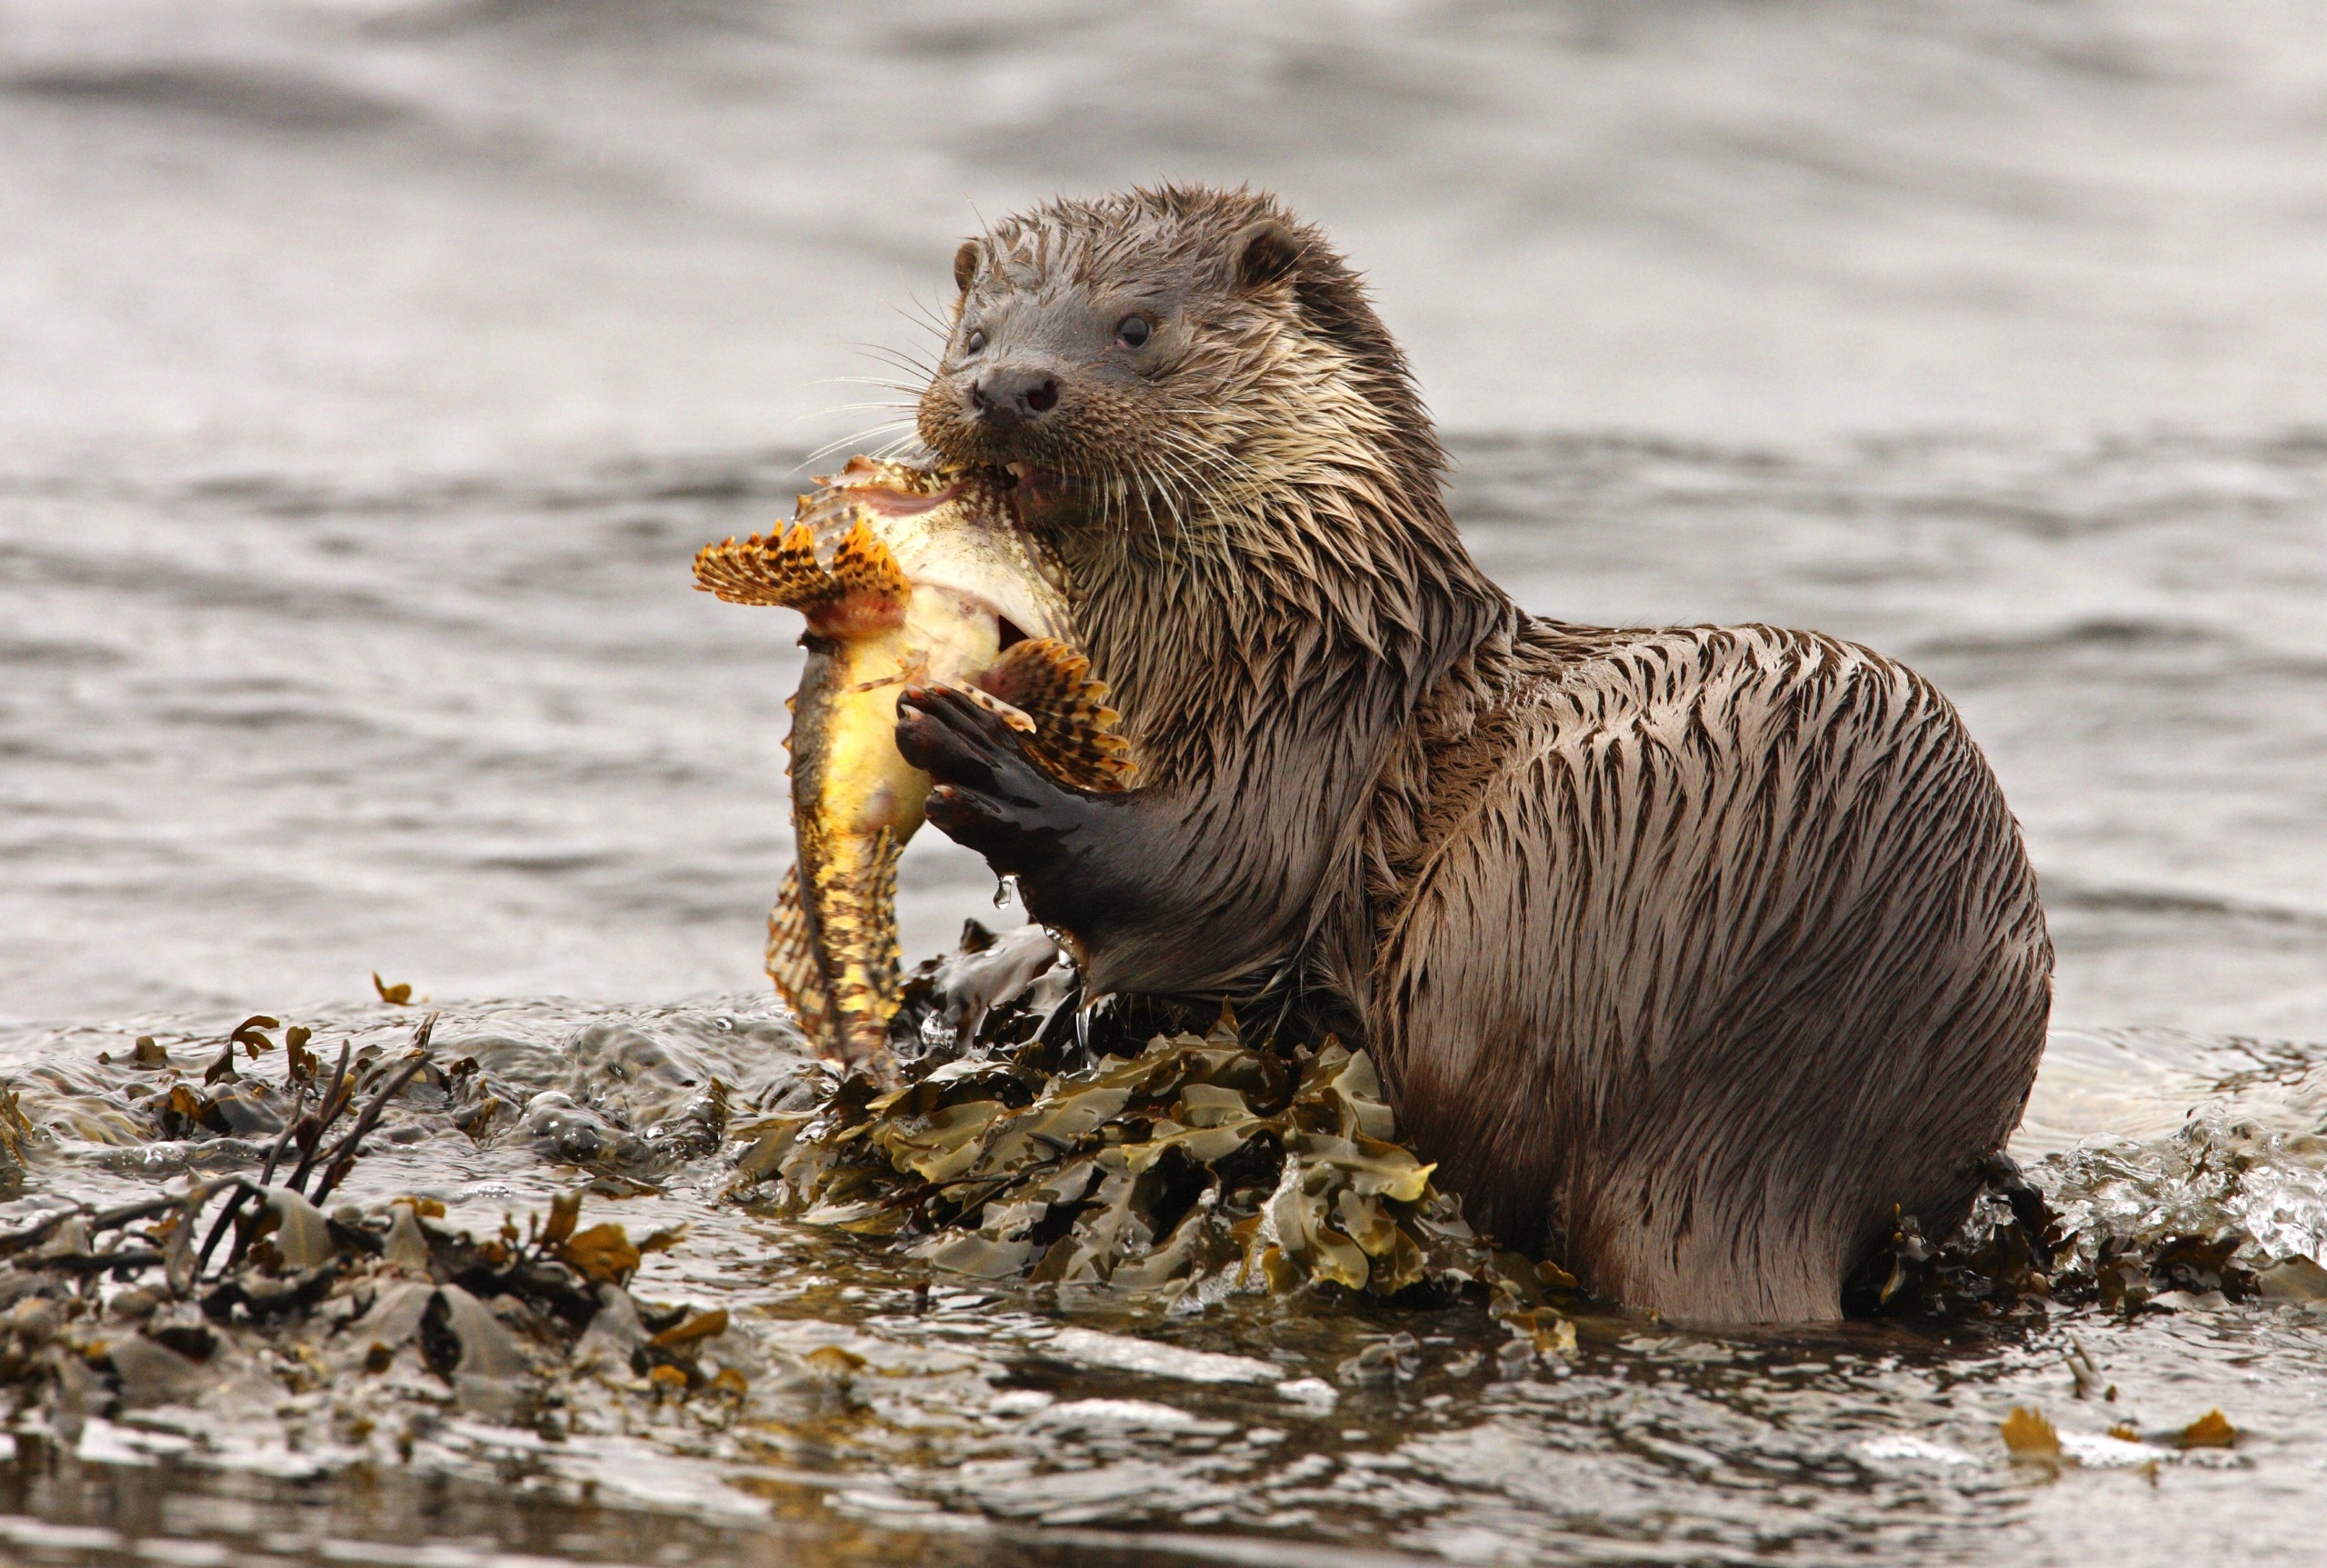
<point x="792" y="963"/>
<point x="1075" y="739"/>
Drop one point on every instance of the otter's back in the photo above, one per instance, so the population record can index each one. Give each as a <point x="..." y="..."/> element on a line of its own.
<point x="1723" y="943"/>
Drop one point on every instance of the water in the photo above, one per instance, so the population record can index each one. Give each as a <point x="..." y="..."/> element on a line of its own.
<point x="369" y="369"/>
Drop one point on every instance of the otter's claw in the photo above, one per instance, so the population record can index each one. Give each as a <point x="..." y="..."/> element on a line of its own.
<point x="990" y="796"/>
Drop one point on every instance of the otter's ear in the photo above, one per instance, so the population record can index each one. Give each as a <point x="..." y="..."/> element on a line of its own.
<point x="1265" y="251"/>
<point x="965" y="265"/>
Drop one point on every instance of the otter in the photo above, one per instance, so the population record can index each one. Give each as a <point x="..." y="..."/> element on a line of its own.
<point x="1694" y="957"/>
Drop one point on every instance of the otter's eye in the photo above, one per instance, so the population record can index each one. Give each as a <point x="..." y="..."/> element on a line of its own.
<point x="976" y="342"/>
<point x="1131" y="331"/>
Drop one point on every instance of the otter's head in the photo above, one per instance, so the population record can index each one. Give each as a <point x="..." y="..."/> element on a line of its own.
<point x="1170" y="354"/>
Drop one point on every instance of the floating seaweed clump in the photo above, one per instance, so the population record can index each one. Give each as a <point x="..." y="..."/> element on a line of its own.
<point x="1999" y="1264"/>
<point x="236" y="1289"/>
<point x="1190" y="1163"/>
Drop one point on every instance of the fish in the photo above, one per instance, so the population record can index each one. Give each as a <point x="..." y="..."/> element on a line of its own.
<point x="908" y="576"/>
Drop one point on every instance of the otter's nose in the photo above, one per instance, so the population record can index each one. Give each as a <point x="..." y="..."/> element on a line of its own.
<point x="1005" y="399"/>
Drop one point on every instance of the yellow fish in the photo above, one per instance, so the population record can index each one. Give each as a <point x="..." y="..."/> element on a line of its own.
<point x="907" y="576"/>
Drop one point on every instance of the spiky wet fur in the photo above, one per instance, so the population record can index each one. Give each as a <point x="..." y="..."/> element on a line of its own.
<point x="1690" y="954"/>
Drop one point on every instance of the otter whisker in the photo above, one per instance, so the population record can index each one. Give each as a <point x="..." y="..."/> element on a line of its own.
<point x="905" y="445"/>
<point x="907" y="388"/>
<point x="856" y="439"/>
<point x="923" y="314"/>
<point x="898" y="359"/>
<point x="859" y="408"/>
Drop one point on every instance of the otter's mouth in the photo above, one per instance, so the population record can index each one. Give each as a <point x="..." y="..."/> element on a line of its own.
<point x="1038" y="494"/>
<point x="1035" y="483"/>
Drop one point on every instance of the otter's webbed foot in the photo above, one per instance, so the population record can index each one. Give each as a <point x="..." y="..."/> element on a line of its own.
<point x="990" y="796"/>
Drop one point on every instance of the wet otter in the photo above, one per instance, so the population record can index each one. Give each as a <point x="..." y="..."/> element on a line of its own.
<point x="1689" y="954"/>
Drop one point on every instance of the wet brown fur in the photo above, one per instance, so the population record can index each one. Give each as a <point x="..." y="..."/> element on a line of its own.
<point x="1689" y="954"/>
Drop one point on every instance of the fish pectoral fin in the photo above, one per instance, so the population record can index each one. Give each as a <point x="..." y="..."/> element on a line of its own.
<point x="1074" y="737"/>
<point x="782" y="572"/>
<point x="792" y="962"/>
<point x="863" y="567"/>
<point x="863" y="592"/>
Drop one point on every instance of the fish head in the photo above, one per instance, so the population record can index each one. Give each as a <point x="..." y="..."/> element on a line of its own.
<point x="956" y="535"/>
<point x="881" y="544"/>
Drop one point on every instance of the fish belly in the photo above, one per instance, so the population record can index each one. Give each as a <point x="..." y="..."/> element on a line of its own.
<point x="854" y="804"/>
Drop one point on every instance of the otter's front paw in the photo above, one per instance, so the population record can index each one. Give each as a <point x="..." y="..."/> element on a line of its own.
<point x="989" y="795"/>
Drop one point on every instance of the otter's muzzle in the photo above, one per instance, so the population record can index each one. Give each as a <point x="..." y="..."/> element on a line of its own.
<point x="1002" y="399"/>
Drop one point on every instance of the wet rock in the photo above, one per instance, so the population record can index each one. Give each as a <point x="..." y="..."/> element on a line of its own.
<point x="1514" y="1359"/>
<point x="615" y="1333"/>
<point x="393" y="1322"/>
<point x="243" y="1109"/>
<point x="697" y="1127"/>
<point x="2292" y="1280"/>
<point x="969" y="985"/>
<point x="486" y="1347"/>
<point x="34" y="1322"/>
<point x="70" y="1239"/>
<point x="483" y="1361"/>
<point x="1375" y="1366"/>
<point x="153" y="1373"/>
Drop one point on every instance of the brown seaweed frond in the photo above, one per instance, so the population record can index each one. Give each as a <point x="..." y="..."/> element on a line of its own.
<point x="1194" y="1164"/>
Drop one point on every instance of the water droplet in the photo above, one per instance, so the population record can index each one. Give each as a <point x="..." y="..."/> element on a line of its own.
<point x="1004" y="890"/>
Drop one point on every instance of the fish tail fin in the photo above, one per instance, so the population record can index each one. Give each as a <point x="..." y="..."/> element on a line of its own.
<point x="1075" y="738"/>
<point x="889" y="955"/>
<point x="792" y="962"/>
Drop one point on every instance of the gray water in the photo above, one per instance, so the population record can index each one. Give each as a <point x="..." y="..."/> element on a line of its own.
<point x="370" y="369"/>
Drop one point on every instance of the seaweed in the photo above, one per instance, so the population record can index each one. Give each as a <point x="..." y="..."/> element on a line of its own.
<point x="1034" y="1140"/>
<point x="1136" y="1145"/>
<point x="260" y="1273"/>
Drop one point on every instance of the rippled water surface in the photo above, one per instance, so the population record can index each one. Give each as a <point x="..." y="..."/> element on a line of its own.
<point x="370" y="369"/>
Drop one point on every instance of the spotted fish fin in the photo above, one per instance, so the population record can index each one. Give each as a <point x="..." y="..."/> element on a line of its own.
<point x="1074" y="737"/>
<point x="863" y="588"/>
<point x="780" y="571"/>
<point x="863" y="567"/>
<point x="792" y="962"/>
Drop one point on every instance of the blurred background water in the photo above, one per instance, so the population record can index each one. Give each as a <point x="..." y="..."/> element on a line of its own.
<point x="370" y="370"/>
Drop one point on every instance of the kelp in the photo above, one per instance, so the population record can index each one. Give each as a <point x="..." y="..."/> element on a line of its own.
<point x="497" y="1323"/>
<point x="2014" y="1256"/>
<point x="1039" y="1141"/>
<point x="265" y="1283"/>
<point x="1999" y="1264"/>
<point x="1182" y="1164"/>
